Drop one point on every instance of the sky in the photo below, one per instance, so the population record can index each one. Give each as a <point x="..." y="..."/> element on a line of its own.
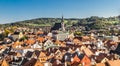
<point x="19" y="10"/>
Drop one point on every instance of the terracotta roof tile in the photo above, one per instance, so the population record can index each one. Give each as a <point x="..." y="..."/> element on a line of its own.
<point x="40" y="32"/>
<point x="76" y="59"/>
<point x="100" y="64"/>
<point x="30" y="41"/>
<point x="57" y="42"/>
<point x="88" y="52"/>
<point x="5" y="63"/>
<point x="85" y="61"/>
<point x="19" y="54"/>
<point x="104" y="60"/>
<point x="42" y="54"/>
<point x="38" y="63"/>
<point x="41" y="39"/>
<point x="114" y="63"/>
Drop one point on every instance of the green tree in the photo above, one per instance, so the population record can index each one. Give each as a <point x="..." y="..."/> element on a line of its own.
<point x="78" y="33"/>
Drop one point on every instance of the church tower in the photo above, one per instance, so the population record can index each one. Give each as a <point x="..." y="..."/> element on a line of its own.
<point x="62" y="24"/>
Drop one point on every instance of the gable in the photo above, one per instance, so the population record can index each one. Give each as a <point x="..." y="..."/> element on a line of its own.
<point x="71" y="36"/>
<point x="113" y="63"/>
<point x="41" y="39"/>
<point x="30" y="41"/>
<point x="18" y="54"/>
<point x="34" y="55"/>
<point x="39" y="32"/>
<point x="85" y="60"/>
<point x="58" y="52"/>
<point x="42" y="54"/>
<point x="100" y="64"/>
<point x="76" y="41"/>
<point x="36" y="45"/>
<point x="5" y="63"/>
<point x="58" y="57"/>
<point x="38" y="63"/>
<point x="57" y="42"/>
<point x="104" y="60"/>
<point x="75" y="59"/>
<point x="48" y="42"/>
<point x="88" y="52"/>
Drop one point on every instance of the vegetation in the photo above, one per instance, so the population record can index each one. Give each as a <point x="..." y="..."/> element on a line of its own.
<point x="78" y="33"/>
<point x="93" y="22"/>
<point x="2" y="37"/>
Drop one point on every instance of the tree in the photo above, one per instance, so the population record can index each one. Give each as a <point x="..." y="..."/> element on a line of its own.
<point x="78" y="33"/>
<point x="93" y="18"/>
<point x="83" y="22"/>
<point x="2" y="36"/>
<point x="1" y="25"/>
<point x="98" y="25"/>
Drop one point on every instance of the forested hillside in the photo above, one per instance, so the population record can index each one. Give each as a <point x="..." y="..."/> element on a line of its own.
<point x="92" y="22"/>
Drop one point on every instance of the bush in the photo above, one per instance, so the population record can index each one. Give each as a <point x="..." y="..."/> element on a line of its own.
<point x="2" y="37"/>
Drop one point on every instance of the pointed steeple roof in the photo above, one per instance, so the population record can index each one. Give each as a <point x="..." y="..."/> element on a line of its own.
<point x="62" y="19"/>
<point x="62" y="24"/>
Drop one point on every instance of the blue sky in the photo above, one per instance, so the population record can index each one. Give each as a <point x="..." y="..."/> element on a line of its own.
<point x="18" y="10"/>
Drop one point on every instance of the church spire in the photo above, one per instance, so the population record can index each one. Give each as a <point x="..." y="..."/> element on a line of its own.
<point x="62" y="24"/>
<point x="62" y="19"/>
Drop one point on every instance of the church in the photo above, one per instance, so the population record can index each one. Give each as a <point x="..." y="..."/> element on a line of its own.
<point x="59" y="26"/>
<point x="58" y="31"/>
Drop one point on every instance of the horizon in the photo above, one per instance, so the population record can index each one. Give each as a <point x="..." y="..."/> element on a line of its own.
<point x="20" y="10"/>
<point x="58" y="17"/>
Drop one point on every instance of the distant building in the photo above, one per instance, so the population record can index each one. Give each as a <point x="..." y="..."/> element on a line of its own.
<point x="62" y="24"/>
<point x="60" y="35"/>
<point x="114" y="38"/>
<point x="59" y="26"/>
<point x="56" y="26"/>
<point x="58" y="31"/>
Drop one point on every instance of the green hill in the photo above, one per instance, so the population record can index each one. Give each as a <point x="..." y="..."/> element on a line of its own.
<point x="93" y="22"/>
